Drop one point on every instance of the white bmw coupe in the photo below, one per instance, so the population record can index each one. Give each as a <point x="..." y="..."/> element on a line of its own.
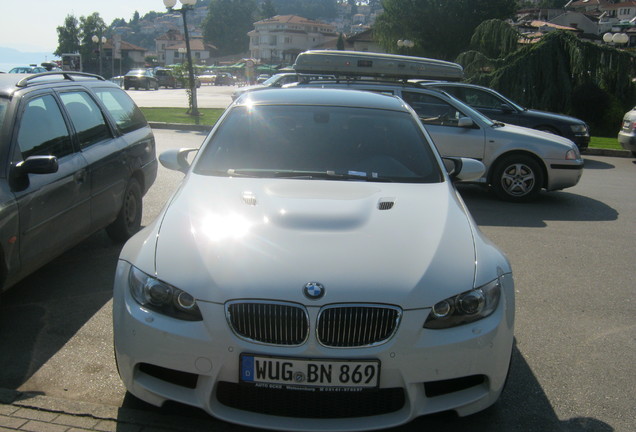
<point x="315" y="270"/>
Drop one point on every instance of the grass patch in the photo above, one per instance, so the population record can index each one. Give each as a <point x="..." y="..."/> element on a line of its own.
<point x="209" y="116"/>
<point x="605" y="143"/>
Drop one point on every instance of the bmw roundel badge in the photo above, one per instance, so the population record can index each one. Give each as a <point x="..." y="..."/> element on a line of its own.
<point x="314" y="290"/>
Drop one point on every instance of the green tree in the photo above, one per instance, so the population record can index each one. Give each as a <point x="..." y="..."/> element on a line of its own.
<point x="267" y="10"/>
<point x="562" y="73"/>
<point x="92" y="25"/>
<point x="227" y="24"/>
<point x="440" y="29"/>
<point x="312" y="9"/>
<point x="340" y="44"/>
<point x="495" y="38"/>
<point x="68" y="36"/>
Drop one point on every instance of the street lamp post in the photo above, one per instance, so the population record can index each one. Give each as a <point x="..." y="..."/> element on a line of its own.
<point x="616" y="38"/>
<point x="99" y="41"/>
<point x="187" y="5"/>
<point x="405" y="43"/>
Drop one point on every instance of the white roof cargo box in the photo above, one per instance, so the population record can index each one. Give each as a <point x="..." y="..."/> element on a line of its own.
<point x="356" y="63"/>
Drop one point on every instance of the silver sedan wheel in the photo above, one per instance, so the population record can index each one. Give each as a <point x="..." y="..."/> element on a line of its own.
<point x="518" y="180"/>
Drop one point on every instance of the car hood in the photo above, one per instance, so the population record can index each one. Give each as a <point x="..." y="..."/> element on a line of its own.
<point x="230" y="238"/>
<point x="531" y="138"/>
<point x="557" y="118"/>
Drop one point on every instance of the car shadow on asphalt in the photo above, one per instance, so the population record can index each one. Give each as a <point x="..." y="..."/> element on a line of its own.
<point x="40" y="314"/>
<point x="487" y="210"/>
<point x="523" y="406"/>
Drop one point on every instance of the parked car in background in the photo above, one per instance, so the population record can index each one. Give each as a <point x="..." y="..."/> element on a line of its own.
<point x="274" y="81"/>
<point x="141" y="79"/>
<point x="166" y="78"/>
<point x="77" y="156"/>
<point x="274" y="290"/>
<point x="27" y="69"/>
<point x="207" y="78"/>
<point x="224" y="78"/>
<point x="519" y="161"/>
<point x="627" y="134"/>
<point x="497" y="107"/>
<point x="262" y="78"/>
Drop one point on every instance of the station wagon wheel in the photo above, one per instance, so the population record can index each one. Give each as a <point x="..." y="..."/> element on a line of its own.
<point x="128" y="220"/>
<point x="517" y="178"/>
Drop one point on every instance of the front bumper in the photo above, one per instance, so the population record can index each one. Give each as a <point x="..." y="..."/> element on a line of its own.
<point x="422" y="371"/>
<point x="627" y="140"/>
<point x="563" y="174"/>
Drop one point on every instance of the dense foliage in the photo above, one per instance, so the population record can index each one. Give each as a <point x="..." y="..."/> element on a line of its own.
<point x="68" y="36"/>
<point x="561" y="73"/>
<point x="227" y="24"/>
<point x="312" y="9"/>
<point x="440" y="29"/>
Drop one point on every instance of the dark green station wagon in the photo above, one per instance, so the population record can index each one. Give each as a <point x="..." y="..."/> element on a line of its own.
<point x="76" y="156"/>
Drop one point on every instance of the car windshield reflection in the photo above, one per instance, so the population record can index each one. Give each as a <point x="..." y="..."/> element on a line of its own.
<point x="324" y="143"/>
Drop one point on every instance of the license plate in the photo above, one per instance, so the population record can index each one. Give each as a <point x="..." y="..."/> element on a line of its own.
<point x="285" y="372"/>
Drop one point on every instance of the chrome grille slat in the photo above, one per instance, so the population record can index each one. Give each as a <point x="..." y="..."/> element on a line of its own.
<point x="274" y="323"/>
<point x="347" y="326"/>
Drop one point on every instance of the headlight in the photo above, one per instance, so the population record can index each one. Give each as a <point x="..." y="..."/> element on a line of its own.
<point x="465" y="308"/>
<point x="579" y="129"/>
<point x="160" y="297"/>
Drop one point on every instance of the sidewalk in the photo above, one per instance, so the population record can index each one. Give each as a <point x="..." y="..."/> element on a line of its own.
<point x="38" y="413"/>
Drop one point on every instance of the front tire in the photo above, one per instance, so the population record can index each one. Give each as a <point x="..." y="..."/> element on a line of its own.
<point x="517" y="178"/>
<point x="128" y="220"/>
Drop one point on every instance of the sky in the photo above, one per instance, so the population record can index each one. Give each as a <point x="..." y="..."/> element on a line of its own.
<point x="30" y="26"/>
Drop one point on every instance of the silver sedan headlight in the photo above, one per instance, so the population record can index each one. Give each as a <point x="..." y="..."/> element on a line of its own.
<point x="465" y="308"/>
<point x="158" y="296"/>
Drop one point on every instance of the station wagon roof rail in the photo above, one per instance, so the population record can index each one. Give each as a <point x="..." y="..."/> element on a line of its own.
<point x="366" y="64"/>
<point x="66" y="75"/>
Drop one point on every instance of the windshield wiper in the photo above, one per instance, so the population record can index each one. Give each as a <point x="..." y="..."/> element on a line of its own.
<point x="297" y="174"/>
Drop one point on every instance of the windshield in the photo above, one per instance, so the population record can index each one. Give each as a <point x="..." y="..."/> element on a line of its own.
<point x="136" y="72"/>
<point x="271" y="80"/>
<point x="320" y="142"/>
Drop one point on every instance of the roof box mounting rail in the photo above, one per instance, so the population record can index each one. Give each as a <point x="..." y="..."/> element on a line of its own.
<point x="356" y="63"/>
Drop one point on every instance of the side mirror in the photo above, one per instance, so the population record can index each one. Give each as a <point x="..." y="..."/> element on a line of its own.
<point x="465" y="122"/>
<point x="177" y="159"/>
<point x="506" y="109"/>
<point x="37" y="165"/>
<point x="19" y="175"/>
<point x="464" y="169"/>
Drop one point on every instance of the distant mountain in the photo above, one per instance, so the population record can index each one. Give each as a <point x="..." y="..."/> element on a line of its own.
<point x="10" y="56"/>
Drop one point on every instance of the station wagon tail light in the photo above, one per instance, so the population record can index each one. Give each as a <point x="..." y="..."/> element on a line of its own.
<point x="465" y="308"/>
<point x="158" y="296"/>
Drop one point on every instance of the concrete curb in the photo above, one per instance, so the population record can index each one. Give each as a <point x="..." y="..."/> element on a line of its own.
<point x="206" y="128"/>
<point x="180" y="126"/>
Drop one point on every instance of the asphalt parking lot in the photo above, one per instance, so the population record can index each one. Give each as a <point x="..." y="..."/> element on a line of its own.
<point x="573" y="360"/>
